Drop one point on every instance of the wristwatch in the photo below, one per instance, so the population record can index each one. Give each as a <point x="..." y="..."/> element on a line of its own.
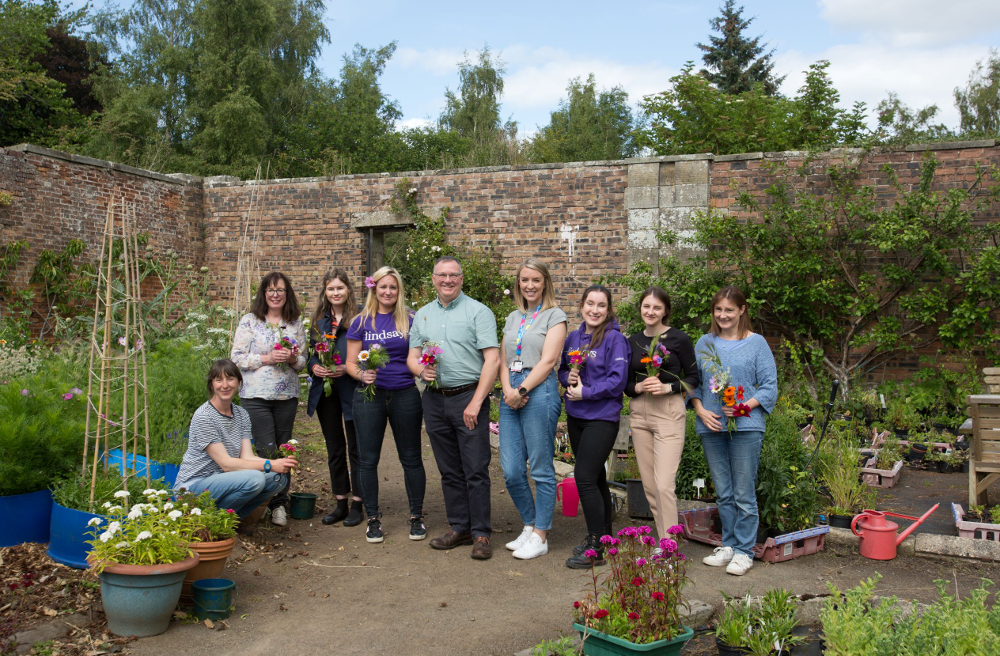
<point x="523" y="391"/>
<point x="267" y="466"/>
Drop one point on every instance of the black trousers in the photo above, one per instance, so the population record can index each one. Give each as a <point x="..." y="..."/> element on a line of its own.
<point x="463" y="459"/>
<point x="271" y="425"/>
<point x="341" y="445"/>
<point x="592" y="441"/>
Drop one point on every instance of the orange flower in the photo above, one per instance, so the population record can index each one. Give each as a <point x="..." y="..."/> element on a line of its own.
<point x="729" y="396"/>
<point x="646" y="360"/>
<point x="328" y="336"/>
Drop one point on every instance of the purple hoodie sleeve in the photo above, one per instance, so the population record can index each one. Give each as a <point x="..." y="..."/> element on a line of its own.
<point x="616" y="356"/>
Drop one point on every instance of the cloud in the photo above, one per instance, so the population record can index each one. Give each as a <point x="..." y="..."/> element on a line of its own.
<point x="869" y="71"/>
<point x="907" y="23"/>
<point x="410" y="123"/>
<point x="439" y="61"/>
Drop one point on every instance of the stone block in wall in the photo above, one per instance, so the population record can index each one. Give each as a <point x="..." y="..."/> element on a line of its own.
<point x="667" y="195"/>
<point x="676" y="219"/>
<point x="643" y="175"/>
<point x="643" y="219"/>
<point x="641" y="197"/>
<point x="379" y="219"/>
<point x="649" y="255"/>
<point x="667" y="173"/>
<point x="690" y="195"/>
<point x="692" y="172"/>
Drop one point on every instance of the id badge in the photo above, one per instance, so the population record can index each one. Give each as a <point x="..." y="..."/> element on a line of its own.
<point x="516" y="366"/>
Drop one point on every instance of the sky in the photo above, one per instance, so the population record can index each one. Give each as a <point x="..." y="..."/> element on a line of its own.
<point x="920" y="49"/>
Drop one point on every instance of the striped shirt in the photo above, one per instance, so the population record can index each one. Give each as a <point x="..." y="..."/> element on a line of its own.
<point x="209" y="426"/>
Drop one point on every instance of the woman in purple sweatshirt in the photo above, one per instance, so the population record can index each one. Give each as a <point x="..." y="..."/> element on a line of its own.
<point x="593" y="409"/>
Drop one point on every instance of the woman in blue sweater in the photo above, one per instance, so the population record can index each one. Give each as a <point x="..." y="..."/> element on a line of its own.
<point x="593" y="412"/>
<point x="732" y="355"/>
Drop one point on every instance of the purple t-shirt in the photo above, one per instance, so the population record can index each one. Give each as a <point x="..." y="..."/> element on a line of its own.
<point x="395" y="375"/>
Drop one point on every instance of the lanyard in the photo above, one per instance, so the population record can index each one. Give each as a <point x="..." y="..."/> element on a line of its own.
<point x="523" y="328"/>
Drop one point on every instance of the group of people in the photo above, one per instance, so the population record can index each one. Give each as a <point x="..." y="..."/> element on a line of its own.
<point x="235" y="451"/>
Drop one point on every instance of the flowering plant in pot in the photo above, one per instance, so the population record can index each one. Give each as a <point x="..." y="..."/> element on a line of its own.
<point x="637" y="601"/>
<point x="141" y="555"/>
<point x="214" y="536"/>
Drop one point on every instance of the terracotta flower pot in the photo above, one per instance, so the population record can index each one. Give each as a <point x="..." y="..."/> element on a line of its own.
<point x="139" y="600"/>
<point x="213" y="557"/>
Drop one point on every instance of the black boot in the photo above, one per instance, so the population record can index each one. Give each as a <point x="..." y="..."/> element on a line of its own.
<point x="582" y="561"/>
<point x="580" y="548"/>
<point x="356" y="515"/>
<point x="338" y="514"/>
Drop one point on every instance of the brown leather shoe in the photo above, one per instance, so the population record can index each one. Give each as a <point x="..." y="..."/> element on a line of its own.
<point x="481" y="549"/>
<point x="451" y="539"/>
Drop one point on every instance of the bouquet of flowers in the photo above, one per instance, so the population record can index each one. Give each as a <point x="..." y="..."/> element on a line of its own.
<point x="429" y="357"/>
<point x="374" y="358"/>
<point x="655" y="358"/>
<point x="577" y="359"/>
<point x="638" y="599"/>
<point x="326" y="351"/>
<point x="288" y="450"/>
<point x="286" y="343"/>
<point x="151" y="532"/>
<point x="719" y="383"/>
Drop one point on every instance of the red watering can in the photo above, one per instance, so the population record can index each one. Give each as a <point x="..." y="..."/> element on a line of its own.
<point x="878" y="535"/>
<point x="570" y="497"/>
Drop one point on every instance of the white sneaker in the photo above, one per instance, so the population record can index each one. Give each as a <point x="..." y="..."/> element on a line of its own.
<point x="721" y="556"/>
<point x="516" y="544"/>
<point x="739" y="565"/>
<point x="279" y="517"/>
<point x="533" y="548"/>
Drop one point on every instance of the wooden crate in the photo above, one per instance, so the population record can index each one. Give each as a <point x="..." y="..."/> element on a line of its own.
<point x="697" y="525"/>
<point x="881" y="478"/>
<point x="984" y="461"/>
<point x="975" y="530"/>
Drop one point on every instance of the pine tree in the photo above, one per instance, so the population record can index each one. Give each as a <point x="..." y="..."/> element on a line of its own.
<point x="735" y="63"/>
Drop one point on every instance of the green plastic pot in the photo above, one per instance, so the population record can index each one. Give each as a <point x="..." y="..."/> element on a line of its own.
<point x="302" y="506"/>
<point x="596" y="643"/>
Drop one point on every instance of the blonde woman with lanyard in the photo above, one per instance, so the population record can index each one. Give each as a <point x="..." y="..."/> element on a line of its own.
<point x="531" y="403"/>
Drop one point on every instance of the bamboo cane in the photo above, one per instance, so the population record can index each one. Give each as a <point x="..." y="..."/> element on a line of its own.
<point x="141" y="353"/>
<point x="93" y="340"/>
<point x="109" y="239"/>
<point x="128" y="307"/>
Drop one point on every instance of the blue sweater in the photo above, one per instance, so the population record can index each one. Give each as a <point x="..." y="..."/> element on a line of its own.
<point x="751" y="365"/>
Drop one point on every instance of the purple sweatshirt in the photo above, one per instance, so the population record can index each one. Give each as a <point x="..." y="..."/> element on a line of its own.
<point x="603" y="375"/>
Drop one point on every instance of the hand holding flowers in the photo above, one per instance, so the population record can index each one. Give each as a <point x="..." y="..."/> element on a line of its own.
<point x="370" y="361"/>
<point x="288" y="452"/>
<point x="429" y="357"/>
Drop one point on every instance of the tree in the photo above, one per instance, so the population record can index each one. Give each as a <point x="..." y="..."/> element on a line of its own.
<point x="587" y="126"/>
<point x="979" y="102"/>
<point x="899" y="124"/>
<point x="734" y="62"/>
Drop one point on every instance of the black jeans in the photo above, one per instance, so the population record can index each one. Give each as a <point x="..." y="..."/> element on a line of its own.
<point x="402" y="410"/>
<point x="463" y="458"/>
<point x="271" y="425"/>
<point x="592" y="441"/>
<point x="341" y="445"/>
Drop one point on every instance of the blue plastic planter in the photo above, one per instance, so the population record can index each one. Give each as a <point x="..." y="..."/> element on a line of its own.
<point x="140" y="599"/>
<point x="25" y="518"/>
<point x="138" y="463"/>
<point x="212" y="598"/>
<point x="170" y="474"/>
<point x="69" y="532"/>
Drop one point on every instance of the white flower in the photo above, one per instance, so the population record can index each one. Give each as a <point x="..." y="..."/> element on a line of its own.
<point x="136" y="511"/>
<point x="149" y="491"/>
<point x="105" y="536"/>
<point x="151" y="508"/>
<point x="114" y="527"/>
<point x="107" y="504"/>
<point x="114" y="509"/>
<point x="94" y="521"/>
<point x="145" y="535"/>
<point x="174" y="514"/>
<point x="435" y="248"/>
<point x="121" y="545"/>
<point x="293" y="442"/>
<point x="162" y="493"/>
<point x="168" y="506"/>
<point x="506" y="292"/>
<point x="196" y="511"/>
<point x="121" y="494"/>
<point x="184" y="505"/>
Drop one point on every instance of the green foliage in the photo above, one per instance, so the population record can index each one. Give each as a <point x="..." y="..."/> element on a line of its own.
<point x="18" y="301"/>
<point x="564" y="646"/>
<point x="979" y="102"/>
<point x="899" y="124"/>
<point x="787" y="496"/>
<point x="212" y="523"/>
<point x="152" y="532"/>
<point x="587" y="126"/>
<point x="177" y="370"/>
<point x="837" y="469"/>
<point x="41" y="433"/>
<point x="759" y="624"/>
<point x="737" y="63"/>
<point x="693" y="465"/>
<point x="73" y="491"/>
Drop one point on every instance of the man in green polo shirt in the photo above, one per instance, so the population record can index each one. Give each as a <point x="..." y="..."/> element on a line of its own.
<point x="456" y="413"/>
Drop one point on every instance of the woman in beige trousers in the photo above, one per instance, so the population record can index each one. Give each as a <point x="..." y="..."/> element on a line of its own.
<point x="657" y="410"/>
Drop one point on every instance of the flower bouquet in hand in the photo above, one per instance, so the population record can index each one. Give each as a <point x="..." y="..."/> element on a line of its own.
<point x="577" y="359"/>
<point x="657" y="356"/>
<point x="286" y="343"/>
<point x="639" y="598"/>
<point x="288" y="450"/>
<point x="374" y="358"/>
<point x="429" y="357"/>
<point x="719" y="382"/>
<point x="328" y="357"/>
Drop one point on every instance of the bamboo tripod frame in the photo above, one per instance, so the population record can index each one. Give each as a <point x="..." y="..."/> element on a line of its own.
<point x="117" y="341"/>
<point x="247" y="265"/>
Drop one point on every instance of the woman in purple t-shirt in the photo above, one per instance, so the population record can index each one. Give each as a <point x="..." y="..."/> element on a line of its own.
<point x="385" y="320"/>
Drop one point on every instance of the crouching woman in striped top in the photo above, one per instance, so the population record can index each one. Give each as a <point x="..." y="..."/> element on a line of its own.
<point x="220" y="457"/>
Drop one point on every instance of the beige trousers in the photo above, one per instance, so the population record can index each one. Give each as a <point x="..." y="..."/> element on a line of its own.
<point x="658" y="424"/>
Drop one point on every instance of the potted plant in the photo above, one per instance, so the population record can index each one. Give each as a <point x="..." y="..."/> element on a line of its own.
<point x="41" y="436"/>
<point x="787" y="494"/>
<point x="72" y="511"/>
<point x="141" y="555"/>
<point x="734" y="626"/>
<point x="635" y="606"/>
<point x="918" y="450"/>
<point x="758" y="625"/>
<point x="214" y="532"/>
<point x="948" y="461"/>
<point x="840" y="475"/>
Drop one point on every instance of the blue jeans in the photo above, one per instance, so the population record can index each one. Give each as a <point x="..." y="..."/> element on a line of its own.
<point x="241" y="490"/>
<point x="733" y="463"/>
<point x="528" y="435"/>
<point x="403" y="412"/>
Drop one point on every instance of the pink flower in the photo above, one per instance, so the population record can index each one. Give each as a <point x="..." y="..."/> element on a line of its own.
<point x="648" y="540"/>
<point x="645" y="530"/>
<point x="633" y="615"/>
<point x="600" y="614"/>
<point x="657" y="596"/>
<point x="640" y="561"/>
<point x="681" y="556"/>
<point x="576" y="604"/>
<point x="75" y="390"/>
<point x="230" y="510"/>
<point x="67" y="396"/>
<point x="606" y="539"/>
<point x="668" y="545"/>
<point x="676" y="529"/>
<point x="25" y="392"/>
<point x="612" y="551"/>
<point x="369" y="282"/>
<point x="590" y="553"/>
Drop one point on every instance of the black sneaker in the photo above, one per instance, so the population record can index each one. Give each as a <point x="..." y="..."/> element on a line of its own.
<point x="417" y="529"/>
<point x="374" y="533"/>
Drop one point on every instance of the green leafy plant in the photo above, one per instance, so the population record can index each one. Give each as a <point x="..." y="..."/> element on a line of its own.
<point x="761" y="625"/>
<point x="889" y="453"/>
<point x="839" y="473"/>
<point x="211" y="523"/>
<point x="564" y="646"/>
<point x="693" y="465"/>
<point x="787" y="495"/>
<point x="153" y="531"/>
<point x="73" y="492"/>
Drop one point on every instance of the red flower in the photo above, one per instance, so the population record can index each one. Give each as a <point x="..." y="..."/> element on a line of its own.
<point x="658" y="596"/>
<point x="230" y="510"/>
<point x="600" y="614"/>
<point x="633" y="615"/>
<point x="576" y="604"/>
<point x="13" y="586"/>
<point x="741" y="410"/>
<point x="739" y="393"/>
<point x="637" y="581"/>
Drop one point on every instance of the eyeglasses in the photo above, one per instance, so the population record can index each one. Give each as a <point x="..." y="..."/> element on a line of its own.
<point x="275" y="292"/>
<point x="448" y="276"/>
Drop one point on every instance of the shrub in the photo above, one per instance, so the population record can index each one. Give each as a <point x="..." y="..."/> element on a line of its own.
<point x="693" y="464"/>
<point x="73" y="491"/>
<point x="787" y="496"/>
